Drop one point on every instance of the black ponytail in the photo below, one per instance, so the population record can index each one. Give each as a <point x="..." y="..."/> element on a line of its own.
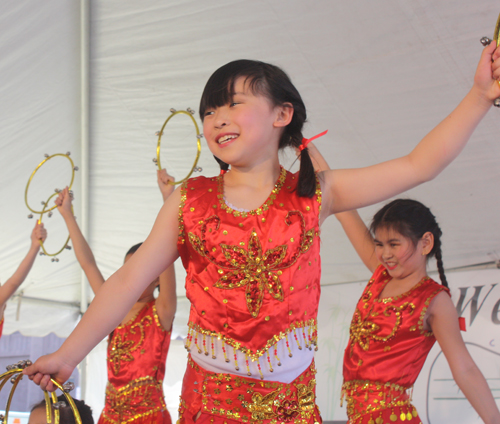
<point x="412" y="219"/>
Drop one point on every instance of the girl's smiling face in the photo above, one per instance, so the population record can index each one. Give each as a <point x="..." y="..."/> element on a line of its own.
<point x="400" y="255"/>
<point x="245" y="131"/>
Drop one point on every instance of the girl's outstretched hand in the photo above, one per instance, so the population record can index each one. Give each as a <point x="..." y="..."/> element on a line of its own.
<point x="38" y="234"/>
<point x="63" y="202"/>
<point x="488" y="72"/>
<point x="47" y="367"/>
<point x="163" y="179"/>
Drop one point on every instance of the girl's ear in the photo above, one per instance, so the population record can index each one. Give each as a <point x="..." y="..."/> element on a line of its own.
<point x="427" y="243"/>
<point x="284" y="115"/>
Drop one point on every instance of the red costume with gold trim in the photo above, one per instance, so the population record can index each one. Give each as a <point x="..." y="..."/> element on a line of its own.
<point x="387" y="348"/>
<point x="137" y="352"/>
<point x="253" y="279"/>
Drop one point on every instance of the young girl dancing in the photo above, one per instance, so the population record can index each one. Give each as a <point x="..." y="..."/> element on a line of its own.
<point x="138" y="346"/>
<point x="399" y="317"/>
<point x="38" y="234"/>
<point x="249" y="240"/>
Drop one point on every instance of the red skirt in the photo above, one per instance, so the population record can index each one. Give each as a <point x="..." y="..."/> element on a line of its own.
<point x="234" y="399"/>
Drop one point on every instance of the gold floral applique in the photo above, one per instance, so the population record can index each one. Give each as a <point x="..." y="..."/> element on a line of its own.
<point x="121" y="350"/>
<point x="253" y="268"/>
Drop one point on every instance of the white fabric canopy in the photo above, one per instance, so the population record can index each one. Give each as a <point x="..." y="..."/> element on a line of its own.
<point x="378" y="75"/>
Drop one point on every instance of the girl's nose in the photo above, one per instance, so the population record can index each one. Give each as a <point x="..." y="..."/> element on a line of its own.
<point x="221" y="118"/>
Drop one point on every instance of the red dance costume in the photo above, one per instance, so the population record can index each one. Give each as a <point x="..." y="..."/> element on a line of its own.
<point x="137" y="352"/>
<point x="1" y="326"/>
<point x="387" y="349"/>
<point x="253" y="282"/>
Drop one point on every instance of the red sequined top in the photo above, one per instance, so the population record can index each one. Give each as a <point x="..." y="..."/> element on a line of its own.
<point x="252" y="277"/>
<point x="137" y="352"/>
<point x="387" y="341"/>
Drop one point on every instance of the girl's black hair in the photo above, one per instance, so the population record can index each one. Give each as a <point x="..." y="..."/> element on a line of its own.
<point x="66" y="415"/>
<point x="412" y="219"/>
<point x="272" y="82"/>
<point x="224" y="167"/>
<point x="133" y="249"/>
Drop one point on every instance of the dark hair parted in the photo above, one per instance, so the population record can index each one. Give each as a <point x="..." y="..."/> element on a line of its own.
<point x="66" y="415"/>
<point x="273" y="83"/>
<point x="412" y="219"/>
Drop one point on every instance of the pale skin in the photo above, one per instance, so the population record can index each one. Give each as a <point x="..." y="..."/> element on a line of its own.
<point x="38" y="234"/>
<point x="166" y="302"/>
<point x="255" y="125"/>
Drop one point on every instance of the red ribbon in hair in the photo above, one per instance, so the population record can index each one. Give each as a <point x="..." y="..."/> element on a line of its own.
<point x="306" y="141"/>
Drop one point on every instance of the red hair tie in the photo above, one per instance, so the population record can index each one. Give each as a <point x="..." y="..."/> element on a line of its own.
<point x="306" y="141"/>
<point x="222" y="171"/>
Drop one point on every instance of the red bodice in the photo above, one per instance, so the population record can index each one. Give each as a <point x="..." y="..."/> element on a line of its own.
<point x="387" y="341"/>
<point x="252" y="277"/>
<point x="137" y="352"/>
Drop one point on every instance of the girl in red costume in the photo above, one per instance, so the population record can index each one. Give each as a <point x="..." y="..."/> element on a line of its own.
<point x="249" y="240"/>
<point x="399" y="317"/>
<point x="138" y="346"/>
<point x="38" y="234"/>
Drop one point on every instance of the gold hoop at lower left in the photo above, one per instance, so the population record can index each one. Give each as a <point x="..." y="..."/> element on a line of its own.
<point x="14" y="374"/>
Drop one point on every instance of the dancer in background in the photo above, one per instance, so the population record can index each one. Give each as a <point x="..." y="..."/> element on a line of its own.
<point x="138" y="347"/>
<point x="400" y="315"/>
<point x="38" y="413"/>
<point x="249" y="240"/>
<point x="38" y="234"/>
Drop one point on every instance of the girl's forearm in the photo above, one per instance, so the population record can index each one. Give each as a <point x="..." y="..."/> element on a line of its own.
<point x="476" y="390"/>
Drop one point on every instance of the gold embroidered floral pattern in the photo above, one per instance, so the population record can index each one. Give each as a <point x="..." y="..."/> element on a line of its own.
<point x="363" y="330"/>
<point x="252" y="268"/>
<point x="121" y="350"/>
<point x="137" y="399"/>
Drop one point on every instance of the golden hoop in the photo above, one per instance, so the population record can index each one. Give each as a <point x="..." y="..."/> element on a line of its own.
<point x="15" y="374"/>
<point x="45" y="210"/>
<point x="189" y="112"/>
<point x="47" y="158"/>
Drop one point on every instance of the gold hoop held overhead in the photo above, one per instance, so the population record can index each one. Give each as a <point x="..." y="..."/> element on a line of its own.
<point x="15" y="374"/>
<point x="189" y="112"/>
<point x="45" y="210"/>
<point x="47" y="158"/>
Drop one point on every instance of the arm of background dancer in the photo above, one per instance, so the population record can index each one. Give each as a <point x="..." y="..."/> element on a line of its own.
<point x="360" y="237"/>
<point x="354" y="188"/>
<point x="82" y="249"/>
<point x="13" y="283"/>
<point x="115" y="298"/>
<point x="443" y="320"/>
<point x="166" y="302"/>
<point x="319" y="162"/>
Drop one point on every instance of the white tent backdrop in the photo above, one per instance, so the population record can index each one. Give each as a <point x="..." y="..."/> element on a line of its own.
<point x="378" y="75"/>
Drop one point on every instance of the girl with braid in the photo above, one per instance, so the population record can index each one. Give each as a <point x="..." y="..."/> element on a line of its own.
<point x="400" y="315"/>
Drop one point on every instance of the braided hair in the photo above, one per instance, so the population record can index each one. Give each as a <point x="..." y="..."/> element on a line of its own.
<point x="273" y="83"/>
<point x="412" y="219"/>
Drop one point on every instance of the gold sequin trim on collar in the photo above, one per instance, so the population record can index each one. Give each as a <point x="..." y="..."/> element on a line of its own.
<point x="258" y="211"/>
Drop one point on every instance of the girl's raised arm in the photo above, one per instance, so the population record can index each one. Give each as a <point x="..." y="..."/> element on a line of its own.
<point x="443" y="320"/>
<point x="13" y="283"/>
<point x="166" y="302"/>
<point x="82" y="249"/>
<point x="354" y="188"/>
<point x="115" y="298"/>
<point x="360" y="237"/>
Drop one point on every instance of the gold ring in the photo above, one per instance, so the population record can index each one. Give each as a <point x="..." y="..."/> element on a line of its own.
<point x="45" y="210"/>
<point x="15" y="375"/>
<point x="47" y="158"/>
<point x="189" y="113"/>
